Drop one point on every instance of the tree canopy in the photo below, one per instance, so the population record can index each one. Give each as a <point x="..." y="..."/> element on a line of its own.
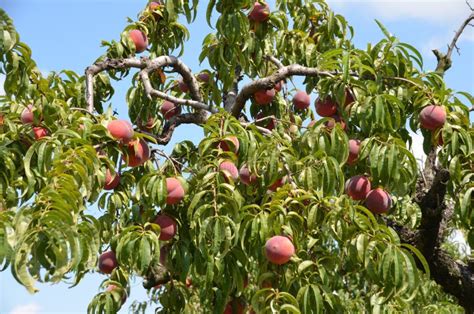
<point x="268" y="213"/>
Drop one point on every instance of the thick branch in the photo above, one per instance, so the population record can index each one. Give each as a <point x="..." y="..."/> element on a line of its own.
<point x="147" y="66"/>
<point x="270" y="81"/>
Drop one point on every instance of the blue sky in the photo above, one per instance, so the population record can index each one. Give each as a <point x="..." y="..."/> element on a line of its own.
<point x="67" y="34"/>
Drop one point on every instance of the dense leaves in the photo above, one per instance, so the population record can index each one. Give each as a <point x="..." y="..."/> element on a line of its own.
<point x="55" y="216"/>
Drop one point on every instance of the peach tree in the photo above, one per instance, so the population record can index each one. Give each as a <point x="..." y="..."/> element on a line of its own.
<point x="267" y="213"/>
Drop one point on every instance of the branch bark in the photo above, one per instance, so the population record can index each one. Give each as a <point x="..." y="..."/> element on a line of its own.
<point x="270" y="81"/>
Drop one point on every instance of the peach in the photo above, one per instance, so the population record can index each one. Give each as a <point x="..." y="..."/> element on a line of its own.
<point x="226" y="146"/>
<point x="312" y="123"/>
<point x="138" y="153"/>
<point x="301" y="100"/>
<point x="378" y="201"/>
<point x="121" y="130"/>
<point x="107" y="262"/>
<point x="268" y="123"/>
<point x="139" y="39"/>
<point x="183" y="86"/>
<point x="189" y="282"/>
<point x="27" y="116"/>
<point x="279" y="250"/>
<point x="175" y="191"/>
<point x="278" y="183"/>
<point x="278" y="86"/>
<point x="432" y="117"/>
<point x="168" y="227"/>
<point x="358" y="187"/>
<point x="335" y="119"/>
<point x="111" y="182"/>
<point x="354" y="149"/>
<point x="326" y="107"/>
<point x="152" y="6"/>
<point x="264" y="96"/>
<point x="229" y="169"/>
<point x="260" y="12"/>
<point x="169" y="109"/>
<point x="39" y="132"/>
<point x="246" y="177"/>
<point x="349" y="98"/>
<point x="203" y="77"/>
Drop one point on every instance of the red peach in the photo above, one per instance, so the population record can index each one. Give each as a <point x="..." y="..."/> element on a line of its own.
<point x="354" y="149"/>
<point x="111" y="182"/>
<point x="39" y="132"/>
<point x="229" y="169"/>
<point x="432" y="117"/>
<point x="312" y="123"/>
<point x="139" y="39"/>
<point x="27" y="116"/>
<point x="183" y="86"/>
<point x="278" y="86"/>
<point x="358" y="187"/>
<point x="227" y="147"/>
<point x="121" y="130"/>
<point x="152" y="6"/>
<point x="335" y="119"/>
<point x="175" y="191"/>
<point x="278" y="183"/>
<point x="203" y="77"/>
<point x="107" y="262"/>
<point x="168" y="227"/>
<point x="260" y="12"/>
<point x="301" y="100"/>
<point x="169" y="109"/>
<point x="138" y="153"/>
<point x="234" y="307"/>
<point x="268" y="123"/>
<point x="264" y="96"/>
<point x="246" y="177"/>
<point x="378" y="201"/>
<point x="189" y="282"/>
<point x="279" y="250"/>
<point x="325" y="107"/>
<point x="111" y="288"/>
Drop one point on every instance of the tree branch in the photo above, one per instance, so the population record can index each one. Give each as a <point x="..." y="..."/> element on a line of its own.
<point x="444" y="61"/>
<point x="270" y="81"/>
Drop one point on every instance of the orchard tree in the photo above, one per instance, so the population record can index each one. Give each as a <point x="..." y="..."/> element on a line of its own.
<point x="264" y="215"/>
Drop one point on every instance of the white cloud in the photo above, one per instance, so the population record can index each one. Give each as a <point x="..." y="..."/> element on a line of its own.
<point x="436" y="11"/>
<point x="31" y="308"/>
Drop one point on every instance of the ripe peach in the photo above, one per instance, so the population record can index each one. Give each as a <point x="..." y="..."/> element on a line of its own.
<point x="229" y="169"/>
<point x="39" y="132"/>
<point x="246" y="177"/>
<point x="301" y="100"/>
<point x="357" y="187"/>
<point x="152" y="6"/>
<point x="234" y="307"/>
<point x="175" y="191"/>
<point x="278" y="86"/>
<point x="378" y="201"/>
<point x="203" y="77"/>
<point x="335" y="119"/>
<point x="354" y="149"/>
<point x="168" y="227"/>
<point x="111" y="182"/>
<point x="107" y="262"/>
<point x="27" y="116"/>
<point x="326" y="107"/>
<point x="189" y="282"/>
<point x="267" y="123"/>
<point x="312" y="123"/>
<point x="183" y="86"/>
<point x="264" y="96"/>
<point x="432" y="117"/>
<point x="260" y="12"/>
<point x="226" y="146"/>
<point x="138" y="153"/>
<point x="278" y="183"/>
<point x="169" y="109"/>
<point x="121" y="130"/>
<point x="139" y="39"/>
<point x="279" y="250"/>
